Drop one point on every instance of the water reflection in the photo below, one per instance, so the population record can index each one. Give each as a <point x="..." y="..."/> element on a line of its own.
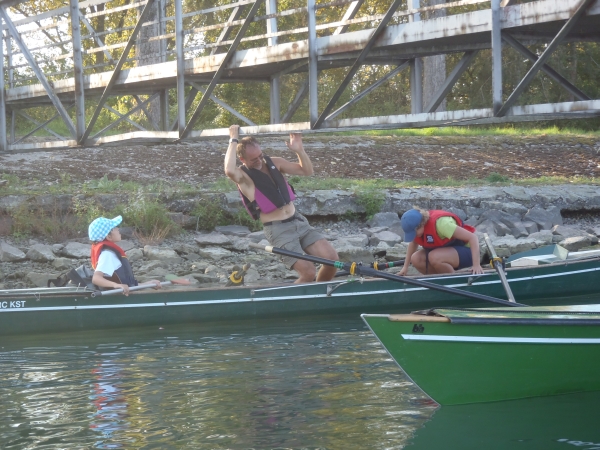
<point x="109" y="401"/>
<point x="319" y="383"/>
<point x="562" y="422"/>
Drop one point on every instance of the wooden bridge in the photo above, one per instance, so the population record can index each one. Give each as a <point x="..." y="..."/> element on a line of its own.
<point x="47" y="63"/>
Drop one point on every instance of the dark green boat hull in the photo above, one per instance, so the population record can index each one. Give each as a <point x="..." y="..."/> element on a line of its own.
<point x="495" y="354"/>
<point x="37" y="311"/>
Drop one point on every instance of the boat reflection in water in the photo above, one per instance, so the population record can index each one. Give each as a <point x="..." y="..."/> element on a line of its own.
<point x="545" y="423"/>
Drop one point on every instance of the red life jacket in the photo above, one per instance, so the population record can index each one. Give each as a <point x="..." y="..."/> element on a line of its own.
<point x="97" y="249"/>
<point x="430" y="237"/>
<point x="124" y="274"/>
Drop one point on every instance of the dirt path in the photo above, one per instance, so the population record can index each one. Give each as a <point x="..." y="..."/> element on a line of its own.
<point x="398" y="158"/>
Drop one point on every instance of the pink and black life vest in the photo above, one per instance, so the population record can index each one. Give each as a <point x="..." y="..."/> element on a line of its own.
<point x="431" y="239"/>
<point x="269" y="193"/>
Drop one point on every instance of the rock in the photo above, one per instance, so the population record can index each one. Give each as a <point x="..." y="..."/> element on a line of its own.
<point x="381" y="246"/>
<point x="396" y="252"/>
<point x="567" y="232"/>
<point x="204" y="279"/>
<point x="215" y="253"/>
<point x="594" y="230"/>
<point x="545" y="236"/>
<point x="233" y="230"/>
<point x="544" y="218"/>
<point x="149" y="266"/>
<point x="530" y="227"/>
<point x="512" y="208"/>
<point x="356" y="240"/>
<point x="510" y="245"/>
<point x="241" y="244"/>
<point x="127" y="232"/>
<point x="370" y="231"/>
<point x="257" y="236"/>
<point x="388" y="237"/>
<point x="77" y="250"/>
<point x="9" y="253"/>
<point x="156" y="273"/>
<point x="493" y="228"/>
<point x="459" y="212"/>
<point x="165" y="255"/>
<point x="574" y="244"/>
<point x="182" y="220"/>
<point x="252" y="276"/>
<point x="41" y="253"/>
<point x="40" y="279"/>
<point x="213" y="239"/>
<point x="135" y="254"/>
<point x="350" y="253"/>
<point x="185" y="249"/>
<point x="63" y="263"/>
<point x="385" y="219"/>
<point x="126" y="245"/>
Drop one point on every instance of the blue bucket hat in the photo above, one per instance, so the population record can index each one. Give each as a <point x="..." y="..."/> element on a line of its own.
<point x="410" y="221"/>
<point x="99" y="228"/>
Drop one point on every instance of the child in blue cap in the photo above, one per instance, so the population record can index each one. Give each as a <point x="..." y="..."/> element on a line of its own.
<point x="448" y="243"/>
<point x="111" y="266"/>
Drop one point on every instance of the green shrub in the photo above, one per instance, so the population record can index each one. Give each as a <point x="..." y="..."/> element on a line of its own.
<point x="495" y="177"/>
<point x="148" y="216"/>
<point x="210" y="214"/>
<point x="370" y="199"/>
<point x="105" y="185"/>
<point x="54" y="224"/>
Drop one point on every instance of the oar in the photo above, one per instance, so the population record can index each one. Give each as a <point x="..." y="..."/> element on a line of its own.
<point x="496" y="263"/>
<point x="375" y="265"/>
<point x="173" y="280"/>
<point x="355" y="268"/>
<point x="237" y="275"/>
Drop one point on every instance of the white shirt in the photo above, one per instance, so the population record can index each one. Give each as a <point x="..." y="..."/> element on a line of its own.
<point x="108" y="263"/>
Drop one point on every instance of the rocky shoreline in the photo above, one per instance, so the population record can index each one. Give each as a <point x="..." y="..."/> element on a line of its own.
<point x="516" y="218"/>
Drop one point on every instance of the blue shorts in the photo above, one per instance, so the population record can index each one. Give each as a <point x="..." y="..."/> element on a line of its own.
<point x="465" y="257"/>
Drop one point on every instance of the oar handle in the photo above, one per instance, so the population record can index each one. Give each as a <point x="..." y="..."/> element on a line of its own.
<point x="355" y="268"/>
<point x="132" y="288"/>
<point x="497" y="264"/>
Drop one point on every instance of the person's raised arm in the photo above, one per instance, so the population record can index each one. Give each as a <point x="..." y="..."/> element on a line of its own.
<point x="233" y="172"/>
<point x="303" y="166"/>
<point x="471" y="238"/>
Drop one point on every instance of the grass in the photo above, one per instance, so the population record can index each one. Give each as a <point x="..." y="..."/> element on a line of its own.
<point x="507" y="130"/>
<point x="16" y="186"/>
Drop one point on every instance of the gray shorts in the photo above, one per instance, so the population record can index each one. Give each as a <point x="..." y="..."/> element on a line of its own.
<point x="293" y="236"/>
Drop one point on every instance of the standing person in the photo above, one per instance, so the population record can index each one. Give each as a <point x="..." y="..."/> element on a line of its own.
<point x="268" y="197"/>
<point x="111" y="266"/>
<point x="448" y="244"/>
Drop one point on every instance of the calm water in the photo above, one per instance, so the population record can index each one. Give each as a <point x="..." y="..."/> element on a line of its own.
<point x="323" y="383"/>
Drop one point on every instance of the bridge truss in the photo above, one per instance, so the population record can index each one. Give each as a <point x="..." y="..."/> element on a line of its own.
<point x="69" y="62"/>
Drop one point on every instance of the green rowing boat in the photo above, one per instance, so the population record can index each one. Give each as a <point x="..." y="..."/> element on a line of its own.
<point x="41" y="310"/>
<point x="459" y="356"/>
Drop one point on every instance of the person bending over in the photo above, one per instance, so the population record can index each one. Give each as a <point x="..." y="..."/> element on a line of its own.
<point x="111" y="266"/>
<point x="268" y="197"/>
<point x="448" y="244"/>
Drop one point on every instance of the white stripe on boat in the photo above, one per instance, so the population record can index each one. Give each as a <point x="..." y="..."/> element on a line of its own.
<point x="34" y="295"/>
<point x="511" y="340"/>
